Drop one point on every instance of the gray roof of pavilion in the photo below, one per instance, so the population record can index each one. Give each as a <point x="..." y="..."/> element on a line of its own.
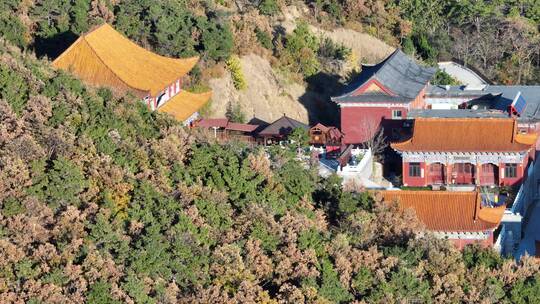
<point x="495" y="97"/>
<point x="282" y="127"/>
<point x="398" y="72"/>
<point x="458" y="113"/>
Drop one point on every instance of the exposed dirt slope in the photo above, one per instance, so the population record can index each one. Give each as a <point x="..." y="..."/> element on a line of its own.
<point x="268" y="96"/>
<point x="368" y="48"/>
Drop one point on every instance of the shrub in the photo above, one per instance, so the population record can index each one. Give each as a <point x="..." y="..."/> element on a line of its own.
<point x="13" y="88"/>
<point x="443" y="78"/>
<point x="300" y="51"/>
<point x="234" y="113"/>
<point x="235" y="67"/>
<point x="269" y="7"/>
<point x="330" y="49"/>
<point x="264" y="39"/>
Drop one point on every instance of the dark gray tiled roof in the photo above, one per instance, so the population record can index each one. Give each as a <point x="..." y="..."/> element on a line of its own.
<point x="458" y="113"/>
<point x="496" y="97"/>
<point x="398" y="72"/>
<point x="283" y="126"/>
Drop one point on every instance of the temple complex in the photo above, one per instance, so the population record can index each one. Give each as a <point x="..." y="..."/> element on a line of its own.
<point x="104" y="57"/>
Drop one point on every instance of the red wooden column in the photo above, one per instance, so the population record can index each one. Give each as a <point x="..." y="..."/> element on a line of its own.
<point x="501" y="173"/>
<point x="448" y="176"/>
<point x="426" y="172"/>
<point x="477" y="168"/>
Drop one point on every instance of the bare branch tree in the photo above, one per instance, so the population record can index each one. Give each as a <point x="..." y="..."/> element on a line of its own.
<point x="377" y="141"/>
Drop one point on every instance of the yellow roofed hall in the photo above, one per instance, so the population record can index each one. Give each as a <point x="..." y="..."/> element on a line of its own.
<point x="104" y="57"/>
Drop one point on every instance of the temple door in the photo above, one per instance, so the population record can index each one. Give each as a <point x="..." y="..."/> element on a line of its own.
<point x="489" y="174"/>
<point x="463" y="173"/>
<point x="436" y="173"/>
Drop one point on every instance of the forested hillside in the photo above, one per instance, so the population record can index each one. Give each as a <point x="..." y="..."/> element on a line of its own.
<point x="500" y="38"/>
<point x="103" y="201"/>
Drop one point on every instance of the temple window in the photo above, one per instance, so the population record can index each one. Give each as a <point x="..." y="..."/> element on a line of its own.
<point x="397" y="114"/>
<point x="510" y="170"/>
<point x="414" y="169"/>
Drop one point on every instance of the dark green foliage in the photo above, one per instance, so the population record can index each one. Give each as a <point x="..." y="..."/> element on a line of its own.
<point x="297" y="181"/>
<point x="300" y="51"/>
<point x="526" y="291"/>
<point x="58" y="183"/>
<point x="26" y="269"/>
<point x="330" y="49"/>
<point x="424" y="48"/>
<point x="13" y="88"/>
<point x="135" y="288"/>
<point x="403" y="285"/>
<point x="474" y="255"/>
<point x="106" y="235"/>
<point x="299" y="138"/>
<point x="331" y="287"/>
<point x="268" y="240"/>
<point x="408" y="46"/>
<point x="11" y="27"/>
<point x="269" y="7"/>
<point x="216" y="214"/>
<point x="363" y="281"/>
<point x="235" y="113"/>
<point x="225" y="170"/>
<point x="100" y="293"/>
<point x="216" y="40"/>
<point x="312" y="239"/>
<point x="12" y="207"/>
<point x="350" y="203"/>
<point x="264" y="39"/>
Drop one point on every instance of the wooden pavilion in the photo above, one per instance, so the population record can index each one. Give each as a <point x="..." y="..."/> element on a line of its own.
<point x="280" y="129"/>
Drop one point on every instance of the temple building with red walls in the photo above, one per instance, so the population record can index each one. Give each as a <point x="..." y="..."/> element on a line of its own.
<point x="465" y="151"/>
<point x="461" y="217"/>
<point x="104" y="57"/>
<point x="381" y="96"/>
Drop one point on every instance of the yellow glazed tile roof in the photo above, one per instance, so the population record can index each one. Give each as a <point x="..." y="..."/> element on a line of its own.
<point x="104" y="57"/>
<point x="184" y="104"/>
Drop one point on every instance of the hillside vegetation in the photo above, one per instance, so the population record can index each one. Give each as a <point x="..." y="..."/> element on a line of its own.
<point x="103" y="201"/>
<point x="499" y="38"/>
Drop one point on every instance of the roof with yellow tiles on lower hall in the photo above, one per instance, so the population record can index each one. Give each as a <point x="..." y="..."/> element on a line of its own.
<point x="447" y="211"/>
<point x="104" y="57"/>
<point x="182" y="105"/>
<point x="464" y="135"/>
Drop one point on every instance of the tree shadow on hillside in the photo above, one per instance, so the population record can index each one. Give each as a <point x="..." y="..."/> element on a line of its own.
<point x="316" y="99"/>
<point x="52" y="47"/>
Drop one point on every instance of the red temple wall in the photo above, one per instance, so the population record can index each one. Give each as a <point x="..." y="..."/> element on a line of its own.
<point x="511" y="181"/>
<point x="360" y="123"/>
<point x="420" y="101"/>
<point x="411" y="181"/>
<point x="422" y="180"/>
<point x="461" y="243"/>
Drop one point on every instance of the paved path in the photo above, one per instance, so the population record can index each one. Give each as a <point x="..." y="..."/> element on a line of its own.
<point x="532" y="233"/>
